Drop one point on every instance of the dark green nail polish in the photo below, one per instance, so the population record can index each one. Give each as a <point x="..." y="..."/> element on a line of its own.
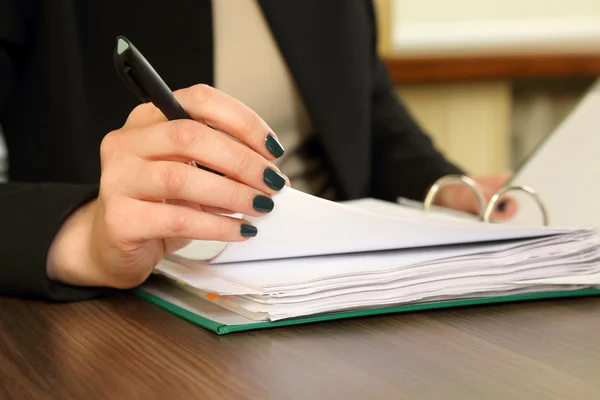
<point x="248" y="230"/>
<point x="273" y="179"/>
<point x="274" y="146"/>
<point x="263" y="204"/>
<point x="502" y="206"/>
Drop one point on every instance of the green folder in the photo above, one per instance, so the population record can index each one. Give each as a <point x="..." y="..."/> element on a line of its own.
<point x="222" y="328"/>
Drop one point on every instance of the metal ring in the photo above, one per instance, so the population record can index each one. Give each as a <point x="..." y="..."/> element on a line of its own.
<point x="445" y="180"/>
<point x="492" y="203"/>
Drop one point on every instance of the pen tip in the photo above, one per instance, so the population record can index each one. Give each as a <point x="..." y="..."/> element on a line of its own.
<point x="121" y="46"/>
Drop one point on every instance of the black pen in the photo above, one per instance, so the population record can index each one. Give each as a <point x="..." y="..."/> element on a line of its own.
<point x="143" y="80"/>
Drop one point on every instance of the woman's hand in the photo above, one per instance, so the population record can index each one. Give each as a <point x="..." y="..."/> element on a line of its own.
<point x="461" y="198"/>
<point x="153" y="200"/>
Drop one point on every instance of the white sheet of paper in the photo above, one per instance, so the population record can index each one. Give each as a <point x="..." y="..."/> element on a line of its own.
<point x="320" y="274"/>
<point x="306" y="271"/>
<point x="305" y="225"/>
<point x="565" y="170"/>
<point x="564" y="280"/>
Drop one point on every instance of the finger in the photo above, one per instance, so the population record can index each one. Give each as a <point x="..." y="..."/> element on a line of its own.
<point x="190" y="140"/>
<point x="184" y="203"/>
<point x="144" y="221"/>
<point x="158" y="180"/>
<point x="210" y="106"/>
<point x="195" y="206"/>
<point x="219" y="211"/>
<point x="463" y="199"/>
<point x="172" y="245"/>
<point x="231" y="116"/>
<point x="505" y="209"/>
<point x="144" y="115"/>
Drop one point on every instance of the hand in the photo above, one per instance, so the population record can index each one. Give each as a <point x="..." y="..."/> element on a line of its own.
<point x="461" y="198"/>
<point x="153" y="201"/>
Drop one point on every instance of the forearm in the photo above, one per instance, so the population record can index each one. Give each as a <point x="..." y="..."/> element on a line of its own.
<point x="70" y="258"/>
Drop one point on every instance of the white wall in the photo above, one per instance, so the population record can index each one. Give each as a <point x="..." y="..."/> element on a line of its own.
<point x="436" y="11"/>
<point x="495" y="26"/>
<point x="489" y="116"/>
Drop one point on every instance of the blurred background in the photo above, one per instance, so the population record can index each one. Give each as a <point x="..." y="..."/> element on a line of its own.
<point x="488" y="79"/>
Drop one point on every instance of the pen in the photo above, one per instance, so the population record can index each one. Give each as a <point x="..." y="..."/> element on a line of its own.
<point x="143" y="80"/>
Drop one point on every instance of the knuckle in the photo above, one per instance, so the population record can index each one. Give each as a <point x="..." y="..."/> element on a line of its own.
<point x="179" y="225"/>
<point x="253" y="122"/>
<point x="143" y="115"/>
<point x="222" y="228"/>
<point x="115" y="219"/>
<point x="201" y="93"/>
<point x="183" y="134"/>
<point x="242" y="162"/>
<point x="109" y="184"/>
<point x="141" y="110"/>
<point x="233" y="197"/>
<point x="112" y="179"/>
<point x="111" y="144"/>
<point x="172" y="178"/>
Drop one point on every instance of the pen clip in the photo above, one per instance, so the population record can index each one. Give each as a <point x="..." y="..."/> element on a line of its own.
<point x="120" y="61"/>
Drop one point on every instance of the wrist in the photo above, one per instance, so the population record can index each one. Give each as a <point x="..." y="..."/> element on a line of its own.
<point x="69" y="259"/>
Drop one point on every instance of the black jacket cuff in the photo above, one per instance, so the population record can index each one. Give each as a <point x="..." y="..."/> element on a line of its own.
<point x="31" y="216"/>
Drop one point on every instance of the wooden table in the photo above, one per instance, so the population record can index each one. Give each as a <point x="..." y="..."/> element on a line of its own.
<point x="125" y="348"/>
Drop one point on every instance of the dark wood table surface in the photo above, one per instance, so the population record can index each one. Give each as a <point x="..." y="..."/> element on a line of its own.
<point x="125" y="348"/>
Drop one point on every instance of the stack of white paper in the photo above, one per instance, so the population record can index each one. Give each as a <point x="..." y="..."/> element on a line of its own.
<point x="302" y="225"/>
<point x="313" y="256"/>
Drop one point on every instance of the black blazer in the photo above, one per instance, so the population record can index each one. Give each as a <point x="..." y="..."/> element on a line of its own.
<point x="59" y="95"/>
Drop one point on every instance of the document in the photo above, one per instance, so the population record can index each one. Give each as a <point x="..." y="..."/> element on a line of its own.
<point x="315" y="260"/>
<point x="313" y="257"/>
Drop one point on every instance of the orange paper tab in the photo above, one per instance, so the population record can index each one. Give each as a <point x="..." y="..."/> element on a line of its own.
<point x="212" y="296"/>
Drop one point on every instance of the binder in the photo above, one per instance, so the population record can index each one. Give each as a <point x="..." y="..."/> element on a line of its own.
<point x="403" y="262"/>
<point x="222" y="322"/>
<point x="486" y="208"/>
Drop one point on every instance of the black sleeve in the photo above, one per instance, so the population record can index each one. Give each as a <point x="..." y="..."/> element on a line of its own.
<point x="14" y="17"/>
<point x="30" y="214"/>
<point x="405" y="160"/>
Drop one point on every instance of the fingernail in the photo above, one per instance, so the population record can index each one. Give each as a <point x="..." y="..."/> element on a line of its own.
<point x="502" y="206"/>
<point x="248" y="230"/>
<point x="263" y="204"/>
<point x="274" y="146"/>
<point x="273" y="179"/>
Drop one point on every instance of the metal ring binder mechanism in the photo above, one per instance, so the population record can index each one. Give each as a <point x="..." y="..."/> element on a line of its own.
<point x="485" y="209"/>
